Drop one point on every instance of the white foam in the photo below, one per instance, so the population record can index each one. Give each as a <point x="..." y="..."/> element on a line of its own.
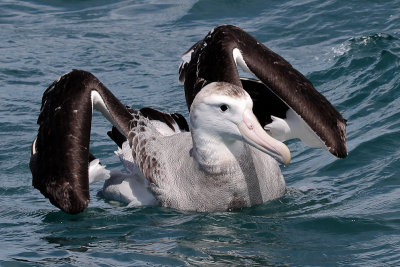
<point x="340" y="50"/>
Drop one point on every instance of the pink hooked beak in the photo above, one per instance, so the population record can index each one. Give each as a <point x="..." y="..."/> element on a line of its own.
<point x="256" y="136"/>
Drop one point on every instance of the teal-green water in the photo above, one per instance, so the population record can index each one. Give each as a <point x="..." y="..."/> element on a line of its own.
<point x="335" y="213"/>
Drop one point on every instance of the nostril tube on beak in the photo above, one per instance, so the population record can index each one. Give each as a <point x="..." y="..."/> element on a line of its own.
<point x="255" y="135"/>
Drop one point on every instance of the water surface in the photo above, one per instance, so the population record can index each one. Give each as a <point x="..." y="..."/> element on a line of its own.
<point x="336" y="212"/>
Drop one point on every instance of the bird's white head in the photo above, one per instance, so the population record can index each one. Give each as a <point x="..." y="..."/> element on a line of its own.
<point x="221" y="115"/>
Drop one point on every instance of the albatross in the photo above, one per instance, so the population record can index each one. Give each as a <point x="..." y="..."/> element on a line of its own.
<point x="226" y="157"/>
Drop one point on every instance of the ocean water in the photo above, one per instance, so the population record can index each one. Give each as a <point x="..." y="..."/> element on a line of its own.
<point x="337" y="212"/>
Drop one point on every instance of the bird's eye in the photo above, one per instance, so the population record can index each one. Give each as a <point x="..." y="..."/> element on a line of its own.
<point x="223" y="108"/>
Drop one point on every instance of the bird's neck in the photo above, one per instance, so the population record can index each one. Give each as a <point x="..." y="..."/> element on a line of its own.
<point x="216" y="155"/>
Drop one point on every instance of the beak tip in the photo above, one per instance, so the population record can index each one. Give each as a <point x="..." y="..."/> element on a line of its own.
<point x="286" y="156"/>
<point x="254" y="134"/>
<point x="285" y="164"/>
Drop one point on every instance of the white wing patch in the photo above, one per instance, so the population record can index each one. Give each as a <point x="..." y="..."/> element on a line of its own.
<point x="294" y="127"/>
<point x="185" y="60"/>
<point x="129" y="187"/>
<point x="187" y="56"/>
<point x="97" y="172"/>
<point x="285" y="129"/>
<point x="237" y="56"/>
<point x="34" y="151"/>
<point x="98" y="104"/>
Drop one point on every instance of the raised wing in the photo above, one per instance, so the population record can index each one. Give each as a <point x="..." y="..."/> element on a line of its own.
<point x="60" y="153"/>
<point x="216" y="57"/>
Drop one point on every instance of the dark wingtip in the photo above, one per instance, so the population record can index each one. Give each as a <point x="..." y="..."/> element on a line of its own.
<point x="340" y="153"/>
<point x="64" y="197"/>
<point x="340" y="150"/>
<point x="167" y="118"/>
<point x="181" y="121"/>
<point x="59" y="163"/>
<point x="116" y="136"/>
<point x="68" y="201"/>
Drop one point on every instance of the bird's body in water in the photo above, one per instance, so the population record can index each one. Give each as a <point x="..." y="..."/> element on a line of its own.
<point x="212" y="167"/>
<point x="228" y="159"/>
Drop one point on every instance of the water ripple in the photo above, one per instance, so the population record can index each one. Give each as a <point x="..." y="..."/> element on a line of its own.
<point x="335" y="212"/>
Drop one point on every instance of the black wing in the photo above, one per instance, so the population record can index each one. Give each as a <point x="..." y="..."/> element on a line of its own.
<point x="60" y="153"/>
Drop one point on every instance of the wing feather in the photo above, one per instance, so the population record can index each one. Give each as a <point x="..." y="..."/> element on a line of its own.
<point x="60" y="156"/>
